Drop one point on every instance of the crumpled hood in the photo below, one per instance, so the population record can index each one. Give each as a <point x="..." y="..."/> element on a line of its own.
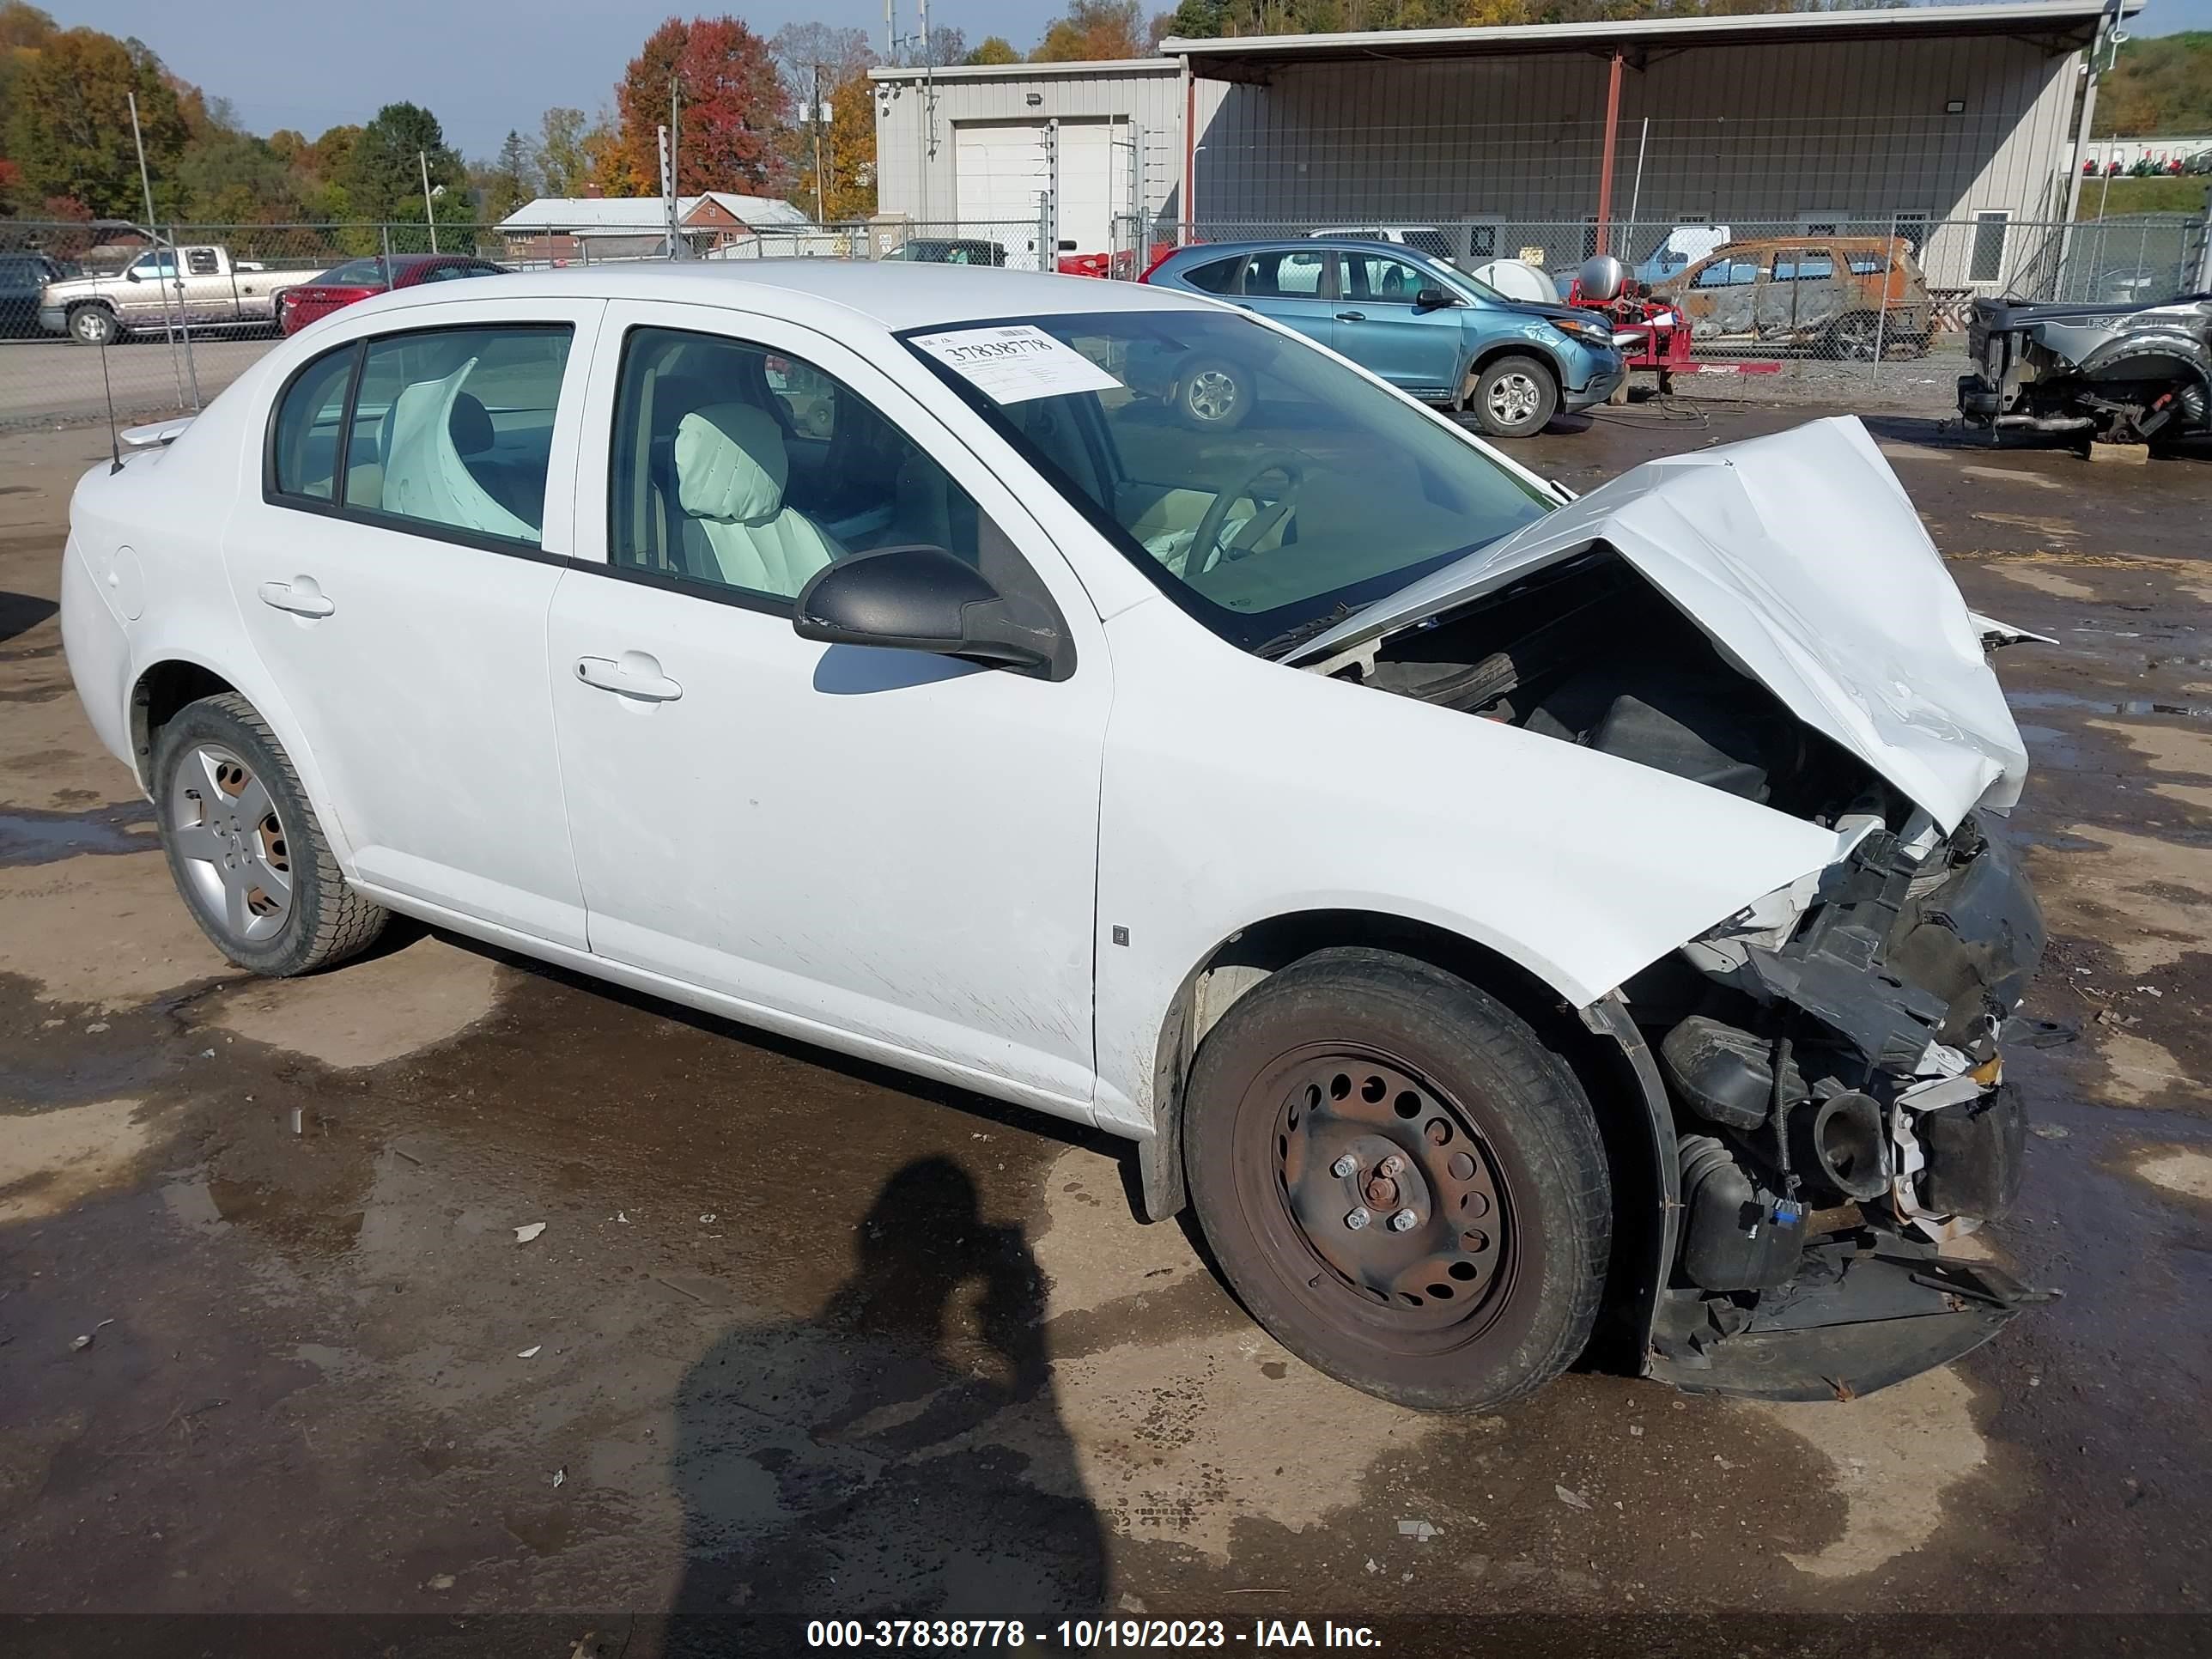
<point x="1801" y="557"/>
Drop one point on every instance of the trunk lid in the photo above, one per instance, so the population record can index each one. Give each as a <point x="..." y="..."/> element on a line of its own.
<point x="1801" y="557"/>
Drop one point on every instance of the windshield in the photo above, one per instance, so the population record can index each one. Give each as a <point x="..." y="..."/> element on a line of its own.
<point x="355" y="273"/>
<point x="1265" y="488"/>
<point x="1454" y="276"/>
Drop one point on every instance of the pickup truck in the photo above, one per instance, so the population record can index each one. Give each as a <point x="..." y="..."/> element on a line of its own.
<point x="161" y="288"/>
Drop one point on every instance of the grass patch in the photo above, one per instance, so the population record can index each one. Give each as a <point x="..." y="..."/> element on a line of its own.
<point x="2183" y="195"/>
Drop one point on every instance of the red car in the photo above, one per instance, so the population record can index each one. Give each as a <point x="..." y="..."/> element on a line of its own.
<point x="356" y="279"/>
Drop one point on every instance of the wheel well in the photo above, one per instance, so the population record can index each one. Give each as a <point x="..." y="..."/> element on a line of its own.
<point x="1491" y="354"/>
<point x="162" y="690"/>
<point x="1607" y="1072"/>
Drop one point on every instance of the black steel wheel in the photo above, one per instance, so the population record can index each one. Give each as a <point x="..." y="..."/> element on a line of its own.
<point x="1401" y="1182"/>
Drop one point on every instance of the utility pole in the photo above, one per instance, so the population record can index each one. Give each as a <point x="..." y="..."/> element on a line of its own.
<point x="429" y="209"/>
<point x="176" y="266"/>
<point x="672" y="169"/>
<point x="814" y="109"/>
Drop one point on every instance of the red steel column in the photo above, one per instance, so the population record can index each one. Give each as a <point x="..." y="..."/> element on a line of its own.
<point x="1605" y="167"/>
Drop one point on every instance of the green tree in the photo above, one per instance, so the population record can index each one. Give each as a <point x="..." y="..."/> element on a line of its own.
<point x="994" y="49"/>
<point x="68" y="122"/>
<point x="2158" y="87"/>
<point x="509" y="180"/>
<point x="559" y="156"/>
<point x="381" y="175"/>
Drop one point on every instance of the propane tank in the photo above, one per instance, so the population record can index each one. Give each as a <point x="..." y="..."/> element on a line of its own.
<point x="1601" y="278"/>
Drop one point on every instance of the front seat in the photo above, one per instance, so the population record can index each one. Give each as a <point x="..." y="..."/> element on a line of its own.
<point x="731" y="468"/>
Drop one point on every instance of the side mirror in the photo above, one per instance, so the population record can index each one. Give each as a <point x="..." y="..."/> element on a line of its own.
<point x="1434" y="299"/>
<point x="130" y="273"/>
<point x="923" y="598"/>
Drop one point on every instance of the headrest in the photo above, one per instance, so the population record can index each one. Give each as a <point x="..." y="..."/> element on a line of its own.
<point x="730" y="464"/>
<point x="470" y="426"/>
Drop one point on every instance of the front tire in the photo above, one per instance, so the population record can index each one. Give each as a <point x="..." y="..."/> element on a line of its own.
<point x="245" y="849"/>
<point x="1514" y="397"/>
<point x="1401" y="1183"/>
<point x="1214" y="395"/>
<point x="93" y="325"/>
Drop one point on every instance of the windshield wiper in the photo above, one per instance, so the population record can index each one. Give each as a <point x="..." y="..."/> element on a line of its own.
<point x="1291" y="638"/>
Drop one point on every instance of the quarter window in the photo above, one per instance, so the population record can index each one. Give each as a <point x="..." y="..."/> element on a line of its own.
<point x="746" y="469"/>
<point x="454" y="428"/>
<point x="200" y="261"/>
<point x="1215" y="277"/>
<point x="306" y="451"/>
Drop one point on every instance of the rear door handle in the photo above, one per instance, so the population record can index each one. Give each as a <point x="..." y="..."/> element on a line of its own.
<point x="1351" y="316"/>
<point x="301" y="596"/>
<point x="637" y="674"/>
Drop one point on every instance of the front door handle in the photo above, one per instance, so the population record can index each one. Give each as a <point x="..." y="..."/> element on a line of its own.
<point x="1351" y="316"/>
<point x="301" y="596"/>
<point x="637" y="674"/>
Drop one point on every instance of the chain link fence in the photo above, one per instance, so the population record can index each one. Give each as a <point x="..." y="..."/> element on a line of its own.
<point x="1838" y="312"/>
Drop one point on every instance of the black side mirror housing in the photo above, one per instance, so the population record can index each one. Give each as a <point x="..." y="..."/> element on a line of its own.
<point x="130" y="273"/>
<point x="1434" y="299"/>
<point x="923" y="598"/>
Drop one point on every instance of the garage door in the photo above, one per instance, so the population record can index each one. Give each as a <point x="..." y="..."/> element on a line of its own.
<point x="999" y="172"/>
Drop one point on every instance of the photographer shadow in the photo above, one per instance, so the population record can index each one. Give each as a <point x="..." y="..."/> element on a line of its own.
<point x="902" y="1455"/>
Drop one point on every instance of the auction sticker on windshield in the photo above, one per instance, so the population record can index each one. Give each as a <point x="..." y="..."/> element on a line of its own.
<point x="1014" y="362"/>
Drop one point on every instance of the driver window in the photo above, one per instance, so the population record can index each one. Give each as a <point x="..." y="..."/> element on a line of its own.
<point x="745" y="471"/>
<point x="1390" y="281"/>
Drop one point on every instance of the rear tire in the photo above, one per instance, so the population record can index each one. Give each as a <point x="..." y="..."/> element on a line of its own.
<point x="1361" y="1081"/>
<point x="245" y="851"/>
<point x="1514" y="397"/>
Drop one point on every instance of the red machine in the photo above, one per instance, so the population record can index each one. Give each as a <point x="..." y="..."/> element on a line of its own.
<point x="1651" y="333"/>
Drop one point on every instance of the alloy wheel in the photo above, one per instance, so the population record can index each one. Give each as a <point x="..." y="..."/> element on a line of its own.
<point x="1514" y="399"/>
<point x="231" y="843"/>
<point x="1210" y="395"/>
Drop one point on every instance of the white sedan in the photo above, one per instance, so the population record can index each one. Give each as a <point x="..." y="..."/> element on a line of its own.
<point x="1509" y="920"/>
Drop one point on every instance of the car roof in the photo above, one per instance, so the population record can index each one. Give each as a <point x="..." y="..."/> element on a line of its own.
<point x="1302" y="244"/>
<point x="895" y="297"/>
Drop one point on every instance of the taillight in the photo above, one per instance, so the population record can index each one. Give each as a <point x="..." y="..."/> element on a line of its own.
<point x="1158" y="259"/>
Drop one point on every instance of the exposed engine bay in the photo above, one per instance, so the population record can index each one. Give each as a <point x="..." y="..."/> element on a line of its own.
<point x="1830" y="1053"/>
<point x="2119" y="374"/>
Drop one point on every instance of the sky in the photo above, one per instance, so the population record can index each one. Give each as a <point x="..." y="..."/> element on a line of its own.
<point x="480" y="66"/>
<point x="483" y="66"/>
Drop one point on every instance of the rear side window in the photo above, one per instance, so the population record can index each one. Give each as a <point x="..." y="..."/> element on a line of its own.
<point x="200" y="261"/>
<point x="1215" y="277"/>
<point x="306" y="449"/>
<point x="1286" y="275"/>
<point x="353" y="273"/>
<point x="454" y="428"/>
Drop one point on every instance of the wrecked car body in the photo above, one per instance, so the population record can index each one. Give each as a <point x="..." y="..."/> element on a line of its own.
<point x="2117" y="374"/>
<point x="1831" y="1105"/>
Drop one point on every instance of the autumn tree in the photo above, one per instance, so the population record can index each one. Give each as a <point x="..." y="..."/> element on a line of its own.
<point x="800" y="48"/>
<point x="1094" y="29"/>
<point x="994" y="49"/>
<point x="68" y="122"/>
<point x="734" y="108"/>
<point x="848" y="156"/>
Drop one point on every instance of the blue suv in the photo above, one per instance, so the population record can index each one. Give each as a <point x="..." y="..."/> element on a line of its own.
<point x="1424" y="326"/>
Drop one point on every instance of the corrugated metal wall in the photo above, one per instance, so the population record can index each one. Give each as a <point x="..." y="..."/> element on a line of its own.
<point x="1849" y="131"/>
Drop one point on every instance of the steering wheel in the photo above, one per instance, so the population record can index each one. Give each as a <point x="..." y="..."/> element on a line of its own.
<point x="1208" y="533"/>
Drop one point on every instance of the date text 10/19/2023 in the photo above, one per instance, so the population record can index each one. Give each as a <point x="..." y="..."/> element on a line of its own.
<point x="1088" y="1634"/>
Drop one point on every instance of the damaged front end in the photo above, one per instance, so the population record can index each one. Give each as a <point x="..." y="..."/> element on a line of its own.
<point x="1838" y="1085"/>
<point x="1824" y="1069"/>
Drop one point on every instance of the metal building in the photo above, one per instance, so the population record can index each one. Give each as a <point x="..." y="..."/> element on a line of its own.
<point x="1570" y="136"/>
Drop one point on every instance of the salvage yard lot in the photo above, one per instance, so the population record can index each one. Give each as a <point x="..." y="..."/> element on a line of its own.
<point x="796" y="1331"/>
